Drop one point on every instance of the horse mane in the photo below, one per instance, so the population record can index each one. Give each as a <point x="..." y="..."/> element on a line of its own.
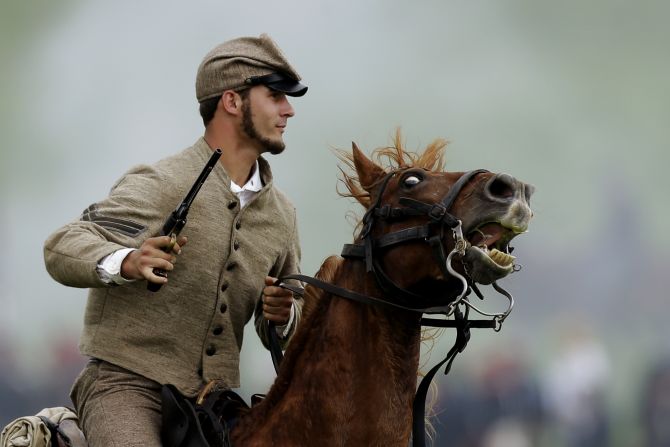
<point x="390" y="158"/>
<point x="313" y="294"/>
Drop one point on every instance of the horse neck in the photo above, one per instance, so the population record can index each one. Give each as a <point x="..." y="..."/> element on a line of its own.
<point x="381" y="344"/>
<point x="349" y="375"/>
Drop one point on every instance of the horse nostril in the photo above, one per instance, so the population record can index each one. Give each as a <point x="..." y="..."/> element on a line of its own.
<point x="502" y="186"/>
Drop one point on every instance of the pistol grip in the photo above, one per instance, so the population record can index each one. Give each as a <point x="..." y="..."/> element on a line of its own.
<point x="155" y="287"/>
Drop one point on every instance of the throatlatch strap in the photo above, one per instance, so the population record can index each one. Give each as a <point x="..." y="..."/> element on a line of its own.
<point x="419" y="405"/>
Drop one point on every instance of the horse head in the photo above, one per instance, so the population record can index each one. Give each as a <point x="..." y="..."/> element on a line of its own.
<point x="418" y="215"/>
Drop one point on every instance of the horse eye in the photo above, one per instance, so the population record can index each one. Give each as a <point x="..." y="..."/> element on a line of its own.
<point x="412" y="180"/>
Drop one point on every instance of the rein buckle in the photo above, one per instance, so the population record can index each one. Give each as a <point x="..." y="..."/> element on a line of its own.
<point x="437" y="212"/>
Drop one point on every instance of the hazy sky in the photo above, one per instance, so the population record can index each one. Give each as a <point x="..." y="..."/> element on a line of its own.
<point x="570" y="96"/>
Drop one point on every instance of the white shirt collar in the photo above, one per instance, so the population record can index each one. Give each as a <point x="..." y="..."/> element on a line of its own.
<point x="254" y="184"/>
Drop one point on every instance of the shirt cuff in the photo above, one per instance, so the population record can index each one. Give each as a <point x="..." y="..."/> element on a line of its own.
<point x="109" y="268"/>
<point x="284" y="329"/>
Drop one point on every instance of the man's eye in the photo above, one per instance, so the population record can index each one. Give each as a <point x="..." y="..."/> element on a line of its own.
<point x="412" y="180"/>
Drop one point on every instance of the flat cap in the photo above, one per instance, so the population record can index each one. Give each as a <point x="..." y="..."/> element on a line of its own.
<point x="245" y="62"/>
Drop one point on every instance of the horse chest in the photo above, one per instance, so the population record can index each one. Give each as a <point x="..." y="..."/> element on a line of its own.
<point x="347" y="388"/>
<point x="363" y="384"/>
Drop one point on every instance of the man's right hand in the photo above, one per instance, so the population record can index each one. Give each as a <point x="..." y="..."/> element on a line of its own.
<point x="140" y="263"/>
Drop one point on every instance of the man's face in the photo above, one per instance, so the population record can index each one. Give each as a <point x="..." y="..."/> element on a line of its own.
<point x="265" y="113"/>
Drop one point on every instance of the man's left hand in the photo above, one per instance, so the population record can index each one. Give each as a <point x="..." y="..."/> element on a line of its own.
<point x="277" y="302"/>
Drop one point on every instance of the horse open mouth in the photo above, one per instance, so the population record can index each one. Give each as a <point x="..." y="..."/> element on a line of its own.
<point x="488" y="256"/>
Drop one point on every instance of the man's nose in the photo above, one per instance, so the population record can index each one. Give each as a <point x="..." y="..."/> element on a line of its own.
<point x="287" y="108"/>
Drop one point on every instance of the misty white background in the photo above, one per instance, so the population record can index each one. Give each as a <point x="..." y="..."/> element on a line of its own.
<point x="571" y="96"/>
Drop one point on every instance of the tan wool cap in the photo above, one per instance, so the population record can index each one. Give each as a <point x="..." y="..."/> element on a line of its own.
<point x="244" y="62"/>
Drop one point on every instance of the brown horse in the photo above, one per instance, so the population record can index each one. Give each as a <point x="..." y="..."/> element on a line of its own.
<point x="349" y="375"/>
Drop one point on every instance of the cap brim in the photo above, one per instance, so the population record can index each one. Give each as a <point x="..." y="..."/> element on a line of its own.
<point x="279" y="82"/>
<point x="289" y="87"/>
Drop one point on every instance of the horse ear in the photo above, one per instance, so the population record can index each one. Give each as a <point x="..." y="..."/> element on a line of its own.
<point x="368" y="172"/>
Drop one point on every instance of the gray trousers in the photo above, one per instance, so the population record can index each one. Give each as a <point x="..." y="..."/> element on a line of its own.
<point x="117" y="407"/>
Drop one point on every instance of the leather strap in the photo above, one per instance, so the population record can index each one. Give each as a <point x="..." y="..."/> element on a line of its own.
<point x="419" y="406"/>
<point x="275" y="347"/>
<point x="359" y="297"/>
<point x="408" y="234"/>
<point x="455" y="189"/>
<point x="436" y="211"/>
<point x="180" y="426"/>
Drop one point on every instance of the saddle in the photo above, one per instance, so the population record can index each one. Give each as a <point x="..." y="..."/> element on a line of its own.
<point x="202" y="422"/>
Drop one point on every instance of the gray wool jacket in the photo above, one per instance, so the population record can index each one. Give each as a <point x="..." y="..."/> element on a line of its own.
<point x="189" y="332"/>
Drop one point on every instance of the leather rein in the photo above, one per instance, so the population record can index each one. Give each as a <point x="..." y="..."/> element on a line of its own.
<point x="403" y="299"/>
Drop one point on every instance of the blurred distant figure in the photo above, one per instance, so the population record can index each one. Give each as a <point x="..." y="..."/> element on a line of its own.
<point x="11" y="398"/>
<point x="501" y="408"/>
<point x="576" y="387"/>
<point x="510" y="403"/>
<point x="656" y="405"/>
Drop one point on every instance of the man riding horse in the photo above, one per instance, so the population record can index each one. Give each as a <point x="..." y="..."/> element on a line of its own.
<point x="242" y="233"/>
<point x="349" y="376"/>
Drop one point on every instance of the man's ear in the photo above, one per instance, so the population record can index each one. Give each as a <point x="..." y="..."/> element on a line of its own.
<point x="231" y="102"/>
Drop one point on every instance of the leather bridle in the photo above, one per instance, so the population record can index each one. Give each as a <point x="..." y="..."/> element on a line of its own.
<point x="396" y="297"/>
<point x="440" y="219"/>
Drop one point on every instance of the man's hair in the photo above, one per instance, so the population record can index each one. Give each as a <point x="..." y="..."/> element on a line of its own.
<point x="208" y="106"/>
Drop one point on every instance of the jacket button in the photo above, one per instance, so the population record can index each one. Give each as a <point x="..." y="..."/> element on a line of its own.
<point x="211" y="350"/>
<point x="200" y="372"/>
<point x="236" y="245"/>
<point x="238" y="225"/>
<point x="223" y="308"/>
<point x="232" y="205"/>
<point x="217" y="330"/>
<point x="231" y="266"/>
<point x="224" y="286"/>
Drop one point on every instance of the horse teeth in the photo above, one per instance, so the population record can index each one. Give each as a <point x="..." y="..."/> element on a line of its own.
<point x="501" y="258"/>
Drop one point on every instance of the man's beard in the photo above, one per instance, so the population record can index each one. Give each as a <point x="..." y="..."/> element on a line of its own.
<point x="273" y="146"/>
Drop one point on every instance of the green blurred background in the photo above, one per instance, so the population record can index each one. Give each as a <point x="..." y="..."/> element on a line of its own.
<point x="570" y="96"/>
